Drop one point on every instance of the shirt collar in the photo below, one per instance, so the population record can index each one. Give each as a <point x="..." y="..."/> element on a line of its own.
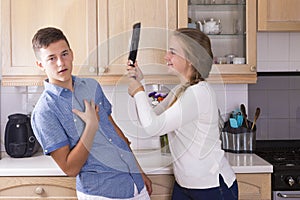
<point x="57" y="90"/>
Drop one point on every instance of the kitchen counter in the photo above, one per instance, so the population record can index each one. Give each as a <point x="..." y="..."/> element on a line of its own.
<point x="152" y="162"/>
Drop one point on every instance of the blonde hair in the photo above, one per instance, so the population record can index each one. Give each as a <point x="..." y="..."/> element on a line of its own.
<point x="197" y="50"/>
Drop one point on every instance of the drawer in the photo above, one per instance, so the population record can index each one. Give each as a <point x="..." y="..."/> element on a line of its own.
<point x="37" y="187"/>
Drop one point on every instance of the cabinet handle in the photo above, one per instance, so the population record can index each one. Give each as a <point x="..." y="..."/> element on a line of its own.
<point x="92" y="69"/>
<point x="253" y="68"/>
<point x="39" y="190"/>
<point x="102" y="69"/>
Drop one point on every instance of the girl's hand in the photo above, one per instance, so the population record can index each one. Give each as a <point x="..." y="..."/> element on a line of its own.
<point x="134" y="71"/>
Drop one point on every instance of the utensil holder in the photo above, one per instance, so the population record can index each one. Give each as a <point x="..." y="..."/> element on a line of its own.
<point x="238" y="140"/>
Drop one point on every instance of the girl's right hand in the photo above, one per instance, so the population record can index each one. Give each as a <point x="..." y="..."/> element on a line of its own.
<point x="134" y="71"/>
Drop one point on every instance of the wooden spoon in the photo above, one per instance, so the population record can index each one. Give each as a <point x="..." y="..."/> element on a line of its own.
<point x="257" y="112"/>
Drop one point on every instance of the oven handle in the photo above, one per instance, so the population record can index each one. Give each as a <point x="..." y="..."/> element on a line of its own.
<point x="288" y="196"/>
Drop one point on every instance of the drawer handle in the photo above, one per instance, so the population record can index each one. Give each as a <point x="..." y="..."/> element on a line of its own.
<point x="39" y="190"/>
<point x="288" y="195"/>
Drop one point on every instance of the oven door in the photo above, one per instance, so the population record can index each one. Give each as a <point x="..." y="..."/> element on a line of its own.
<point x="286" y="195"/>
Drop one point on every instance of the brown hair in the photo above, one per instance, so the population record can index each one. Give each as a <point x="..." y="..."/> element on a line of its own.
<point x="45" y="36"/>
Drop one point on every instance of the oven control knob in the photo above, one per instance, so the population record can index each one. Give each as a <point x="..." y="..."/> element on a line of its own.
<point x="290" y="181"/>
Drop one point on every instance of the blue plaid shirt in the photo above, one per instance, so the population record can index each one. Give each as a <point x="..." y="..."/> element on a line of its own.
<point x="110" y="170"/>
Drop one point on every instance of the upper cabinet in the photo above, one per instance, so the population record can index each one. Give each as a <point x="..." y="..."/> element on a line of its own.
<point x="278" y="15"/>
<point x="21" y="19"/>
<point x="231" y="27"/>
<point x="99" y="32"/>
<point x="115" y="21"/>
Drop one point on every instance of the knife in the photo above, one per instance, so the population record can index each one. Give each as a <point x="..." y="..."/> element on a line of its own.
<point x="134" y="43"/>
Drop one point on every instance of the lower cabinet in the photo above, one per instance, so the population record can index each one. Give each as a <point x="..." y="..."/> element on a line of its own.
<point x="18" y="188"/>
<point x="254" y="186"/>
<point x="251" y="187"/>
<point x="162" y="185"/>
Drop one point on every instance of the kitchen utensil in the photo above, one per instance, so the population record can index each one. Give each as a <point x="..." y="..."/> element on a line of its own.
<point x="134" y="43"/>
<point x="238" y="140"/>
<point x="236" y="119"/>
<point x="244" y="114"/>
<point x="257" y="112"/>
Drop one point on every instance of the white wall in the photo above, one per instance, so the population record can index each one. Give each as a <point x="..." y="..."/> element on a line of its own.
<point x="22" y="100"/>
<point x="278" y="51"/>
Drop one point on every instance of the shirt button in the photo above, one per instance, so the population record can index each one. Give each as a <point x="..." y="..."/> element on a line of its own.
<point x="66" y="90"/>
<point x="75" y="120"/>
<point x="121" y="155"/>
<point x="100" y="103"/>
<point x="110" y="139"/>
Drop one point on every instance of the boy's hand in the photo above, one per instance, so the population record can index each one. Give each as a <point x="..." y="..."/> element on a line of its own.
<point x="90" y="115"/>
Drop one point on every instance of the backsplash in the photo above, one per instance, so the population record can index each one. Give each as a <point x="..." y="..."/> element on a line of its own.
<point x="278" y="51"/>
<point x="23" y="99"/>
<point x="275" y="52"/>
<point x="279" y="100"/>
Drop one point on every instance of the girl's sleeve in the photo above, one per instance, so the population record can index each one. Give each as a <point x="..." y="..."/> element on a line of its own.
<point x="186" y="109"/>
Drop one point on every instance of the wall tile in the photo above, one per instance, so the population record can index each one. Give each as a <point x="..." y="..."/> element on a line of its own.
<point x="279" y="46"/>
<point x="262" y="128"/>
<point x="294" y="46"/>
<point x="263" y="66"/>
<point x="130" y="130"/>
<point x="295" y="65"/>
<point x="22" y="99"/>
<point x="294" y="104"/>
<point x="262" y="48"/>
<point x="295" y="127"/>
<point x="124" y="107"/>
<point x="278" y="129"/>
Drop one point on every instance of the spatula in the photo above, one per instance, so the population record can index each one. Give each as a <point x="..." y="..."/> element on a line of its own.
<point x="257" y="112"/>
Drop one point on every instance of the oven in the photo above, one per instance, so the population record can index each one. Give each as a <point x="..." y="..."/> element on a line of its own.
<point x="284" y="155"/>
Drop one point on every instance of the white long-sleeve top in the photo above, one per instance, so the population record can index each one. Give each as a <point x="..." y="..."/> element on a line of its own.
<point x="193" y="133"/>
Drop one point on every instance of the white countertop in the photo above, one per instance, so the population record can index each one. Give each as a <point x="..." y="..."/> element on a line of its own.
<point x="151" y="161"/>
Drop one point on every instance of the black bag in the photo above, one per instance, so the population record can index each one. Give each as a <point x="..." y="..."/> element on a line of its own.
<point x="19" y="138"/>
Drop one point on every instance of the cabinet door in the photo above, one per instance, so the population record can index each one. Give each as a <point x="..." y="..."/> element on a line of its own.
<point x="278" y="15"/>
<point x="21" y="19"/>
<point x="162" y="186"/>
<point x="238" y="37"/>
<point x="38" y="188"/>
<point x="115" y="21"/>
<point x="254" y="186"/>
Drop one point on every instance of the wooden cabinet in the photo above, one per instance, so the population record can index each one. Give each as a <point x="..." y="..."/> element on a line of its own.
<point x="99" y="32"/>
<point x="115" y="22"/>
<point x="19" y="188"/>
<point x="251" y="187"/>
<point x="278" y="15"/>
<point x="254" y="186"/>
<point x="21" y="19"/>
<point x="238" y="37"/>
<point x="162" y="186"/>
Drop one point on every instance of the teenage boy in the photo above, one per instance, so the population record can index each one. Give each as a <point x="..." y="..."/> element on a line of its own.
<point x="73" y="123"/>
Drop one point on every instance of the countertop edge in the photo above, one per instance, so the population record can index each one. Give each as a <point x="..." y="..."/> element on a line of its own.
<point x="241" y="164"/>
